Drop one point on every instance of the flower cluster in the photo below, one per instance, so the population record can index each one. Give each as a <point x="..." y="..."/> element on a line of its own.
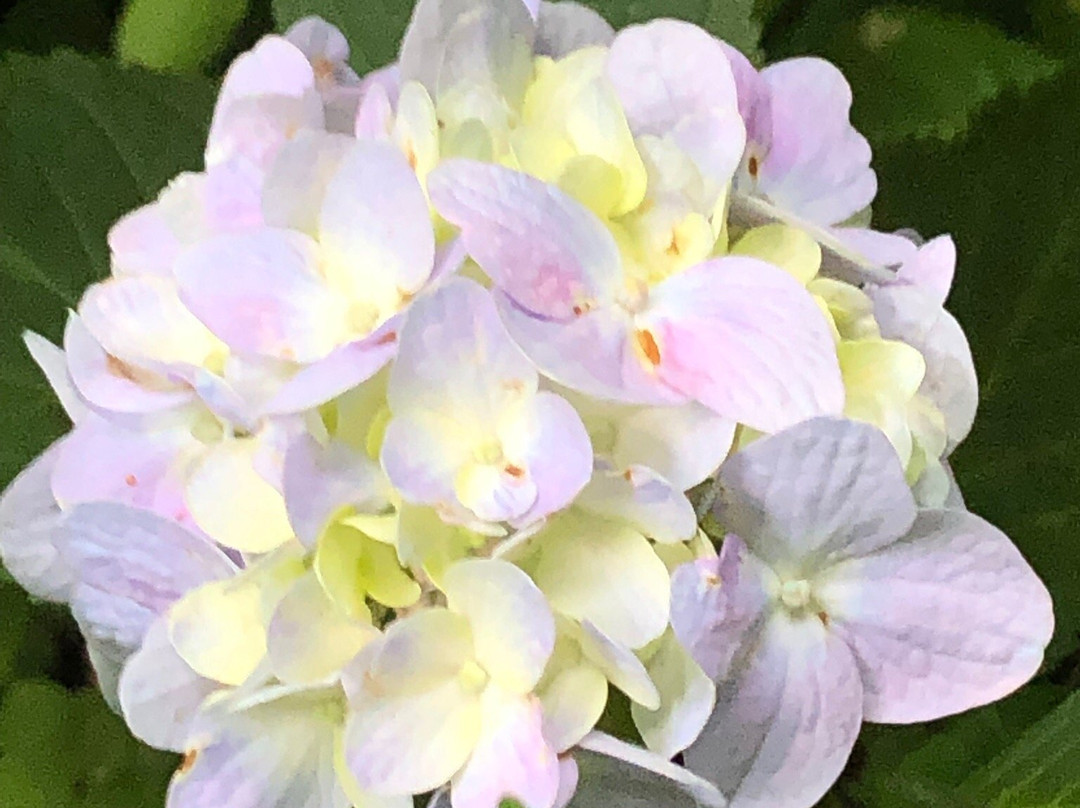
<point x="393" y="427"/>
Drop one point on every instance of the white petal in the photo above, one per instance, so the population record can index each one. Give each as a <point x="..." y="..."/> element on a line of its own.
<point x="906" y="313"/>
<point x="251" y="517"/>
<point x="686" y="700"/>
<point x="29" y="516"/>
<point x="619" y="664"/>
<point x="160" y="694"/>
<point x="597" y="570"/>
<point x="507" y="222"/>
<point x="512" y="625"/>
<point x="375" y="225"/>
<point x="643" y="499"/>
<point x="684" y="445"/>
<point x="309" y="638"/>
<point x="410" y="744"/>
<point x="321" y="480"/>
<point x="278" y="754"/>
<point x="53" y="363"/>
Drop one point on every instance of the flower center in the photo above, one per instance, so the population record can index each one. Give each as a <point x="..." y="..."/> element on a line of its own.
<point x="795" y="595"/>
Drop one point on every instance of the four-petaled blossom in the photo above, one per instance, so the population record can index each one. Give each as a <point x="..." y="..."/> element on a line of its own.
<point x="836" y="600"/>
<point x="471" y="434"/>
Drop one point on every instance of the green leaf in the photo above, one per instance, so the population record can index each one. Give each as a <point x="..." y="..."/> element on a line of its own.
<point x="374" y="28"/>
<point x="82" y="141"/>
<point x="1008" y="194"/>
<point x="736" y="22"/>
<point x="177" y="35"/>
<point x="922" y="765"/>
<point x="1039" y="771"/>
<point x="918" y="73"/>
<point x="77" y="751"/>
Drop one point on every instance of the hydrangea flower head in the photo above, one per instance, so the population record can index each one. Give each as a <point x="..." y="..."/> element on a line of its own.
<point x="397" y="428"/>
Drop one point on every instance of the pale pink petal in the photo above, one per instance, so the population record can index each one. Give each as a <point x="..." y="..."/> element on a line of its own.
<point x="144" y="242"/>
<point x="297" y="180"/>
<point x="592" y="354"/>
<point x="410" y="744"/>
<point x="566" y="26"/>
<point x="746" y="340"/>
<point x="615" y="773"/>
<point x="113" y="385"/>
<point x="817" y="165"/>
<point x="716" y="603"/>
<point x="547" y="440"/>
<point x="824" y="490"/>
<point x="341" y="370"/>
<point x="262" y="294"/>
<point x="568" y="781"/>
<point x="103" y="462"/>
<point x="684" y="445"/>
<point x="786" y="718"/>
<point x="252" y="130"/>
<point x="674" y="79"/>
<point x="948" y="618"/>
<point x="666" y="71"/>
<point x="930" y="266"/>
<point x="511" y="759"/>
<point x="907" y="314"/>
<point x="374" y="114"/>
<point x="375" y="224"/>
<point x="321" y="480"/>
<point x="933" y="269"/>
<point x="160" y="694"/>
<point x="130" y="566"/>
<point x="456" y="358"/>
<point x="754" y="101"/>
<point x="29" y="516"/>
<point x="644" y="499"/>
<point x="512" y="625"/>
<point x="274" y="66"/>
<point x="546" y="251"/>
<point x="141" y="320"/>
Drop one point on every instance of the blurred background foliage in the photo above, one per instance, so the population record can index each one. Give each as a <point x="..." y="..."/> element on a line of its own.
<point x="973" y="108"/>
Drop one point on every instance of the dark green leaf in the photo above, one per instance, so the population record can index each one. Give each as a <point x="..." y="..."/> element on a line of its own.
<point x="1008" y="193"/>
<point x="39" y="26"/>
<point x="81" y="142"/>
<point x="1039" y="771"/>
<point x="918" y="73"/>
